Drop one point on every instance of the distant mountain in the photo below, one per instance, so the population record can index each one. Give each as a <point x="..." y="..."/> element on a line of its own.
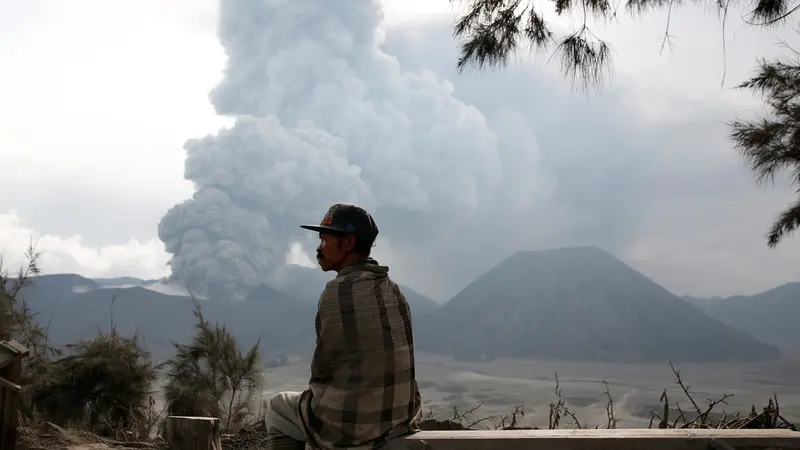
<point x="57" y="285"/>
<point x="74" y="313"/>
<point x="418" y="303"/>
<point x="121" y="281"/>
<point x="573" y="303"/>
<point x="76" y="307"/>
<point x="772" y="316"/>
<point x="300" y="282"/>
<point x="578" y="304"/>
<point x="307" y="284"/>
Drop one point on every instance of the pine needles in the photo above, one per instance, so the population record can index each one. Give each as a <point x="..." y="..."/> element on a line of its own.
<point x="211" y="377"/>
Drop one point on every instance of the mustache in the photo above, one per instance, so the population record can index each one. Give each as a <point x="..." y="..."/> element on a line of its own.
<point x="319" y="256"/>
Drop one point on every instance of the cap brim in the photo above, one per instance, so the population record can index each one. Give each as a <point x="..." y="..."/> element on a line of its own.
<point x="321" y="229"/>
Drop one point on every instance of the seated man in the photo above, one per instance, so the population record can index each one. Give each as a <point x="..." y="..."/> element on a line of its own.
<point x="363" y="391"/>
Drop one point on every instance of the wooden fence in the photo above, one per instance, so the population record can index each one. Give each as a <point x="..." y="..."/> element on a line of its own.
<point x="11" y="355"/>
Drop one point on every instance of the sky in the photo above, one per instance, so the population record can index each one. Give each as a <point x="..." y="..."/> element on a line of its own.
<point x="99" y="99"/>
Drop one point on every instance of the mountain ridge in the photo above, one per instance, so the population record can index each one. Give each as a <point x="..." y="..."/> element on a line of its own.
<point x="77" y="307"/>
<point x="579" y="303"/>
<point x="771" y="315"/>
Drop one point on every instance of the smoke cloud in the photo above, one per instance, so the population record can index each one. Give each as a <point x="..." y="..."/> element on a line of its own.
<point x="323" y="115"/>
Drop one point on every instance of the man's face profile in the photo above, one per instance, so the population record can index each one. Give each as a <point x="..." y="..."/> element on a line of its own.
<point x="332" y="251"/>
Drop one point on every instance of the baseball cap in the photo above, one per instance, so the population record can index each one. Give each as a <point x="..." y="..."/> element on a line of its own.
<point x="345" y="218"/>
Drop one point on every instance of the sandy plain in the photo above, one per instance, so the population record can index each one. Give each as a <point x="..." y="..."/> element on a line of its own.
<point x="636" y="388"/>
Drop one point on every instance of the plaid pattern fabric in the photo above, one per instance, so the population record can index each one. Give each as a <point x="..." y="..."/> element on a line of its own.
<point x="363" y="388"/>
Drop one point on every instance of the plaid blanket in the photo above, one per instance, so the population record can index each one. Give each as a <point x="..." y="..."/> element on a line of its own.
<point x="363" y="389"/>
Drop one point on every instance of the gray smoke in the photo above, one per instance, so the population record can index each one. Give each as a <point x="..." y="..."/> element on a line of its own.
<point x="323" y="115"/>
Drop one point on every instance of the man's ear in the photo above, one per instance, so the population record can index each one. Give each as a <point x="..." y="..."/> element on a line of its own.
<point x="351" y="242"/>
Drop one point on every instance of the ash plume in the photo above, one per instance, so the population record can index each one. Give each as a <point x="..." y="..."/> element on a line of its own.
<point x="323" y="115"/>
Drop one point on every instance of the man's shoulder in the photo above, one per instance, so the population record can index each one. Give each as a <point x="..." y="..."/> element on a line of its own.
<point x="360" y="282"/>
<point x="358" y="277"/>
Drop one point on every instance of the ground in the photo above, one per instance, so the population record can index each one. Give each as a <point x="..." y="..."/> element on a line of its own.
<point x="52" y="437"/>
<point x="501" y="384"/>
<point x="636" y="388"/>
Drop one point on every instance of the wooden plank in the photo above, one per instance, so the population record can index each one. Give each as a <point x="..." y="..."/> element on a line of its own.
<point x="15" y="348"/>
<point x="11" y="351"/>
<point x="14" y="387"/>
<point x="3" y="394"/>
<point x="619" y="439"/>
<point x="10" y="414"/>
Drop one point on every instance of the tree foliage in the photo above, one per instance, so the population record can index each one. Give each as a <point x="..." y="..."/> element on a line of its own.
<point x="771" y="144"/>
<point x="105" y="385"/>
<point x="17" y="320"/>
<point x="211" y="376"/>
<point x="491" y="31"/>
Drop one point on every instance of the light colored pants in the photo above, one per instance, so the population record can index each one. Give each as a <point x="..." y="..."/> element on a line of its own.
<point x="283" y="415"/>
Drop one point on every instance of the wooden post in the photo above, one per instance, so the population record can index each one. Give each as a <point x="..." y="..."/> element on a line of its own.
<point x="193" y="433"/>
<point x="11" y="355"/>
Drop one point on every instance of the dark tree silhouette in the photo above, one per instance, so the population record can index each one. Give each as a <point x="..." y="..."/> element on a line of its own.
<point x="771" y="144"/>
<point x="491" y="31"/>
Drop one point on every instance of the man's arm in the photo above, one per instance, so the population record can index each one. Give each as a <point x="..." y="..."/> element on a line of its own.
<point x="330" y="334"/>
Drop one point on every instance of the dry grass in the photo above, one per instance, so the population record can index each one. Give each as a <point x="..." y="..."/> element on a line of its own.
<point x="700" y="415"/>
<point x="562" y="416"/>
<point x="697" y="415"/>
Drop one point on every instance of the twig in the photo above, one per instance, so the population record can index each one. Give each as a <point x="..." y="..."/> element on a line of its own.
<point x="681" y="415"/>
<point x="518" y="411"/>
<point x="685" y="388"/>
<point x="612" y="419"/>
<point x="460" y="416"/>
<point x="574" y="418"/>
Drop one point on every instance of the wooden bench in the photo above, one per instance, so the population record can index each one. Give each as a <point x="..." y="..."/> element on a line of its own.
<point x="619" y="439"/>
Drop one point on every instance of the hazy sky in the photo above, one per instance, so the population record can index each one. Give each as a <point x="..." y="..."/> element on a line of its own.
<point x="99" y="97"/>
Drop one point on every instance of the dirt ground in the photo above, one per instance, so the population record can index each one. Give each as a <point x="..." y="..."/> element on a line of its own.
<point x="52" y="437"/>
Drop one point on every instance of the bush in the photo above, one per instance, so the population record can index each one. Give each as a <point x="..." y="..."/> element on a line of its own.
<point x="212" y="377"/>
<point x="104" y="386"/>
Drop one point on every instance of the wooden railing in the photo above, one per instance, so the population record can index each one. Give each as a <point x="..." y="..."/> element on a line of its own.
<point x="620" y="439"/>
<point x="202" y="433"/>
<point x="11" y="355"/>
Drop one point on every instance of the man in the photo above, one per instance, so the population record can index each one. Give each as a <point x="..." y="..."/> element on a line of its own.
<point x="363" y="391"/>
